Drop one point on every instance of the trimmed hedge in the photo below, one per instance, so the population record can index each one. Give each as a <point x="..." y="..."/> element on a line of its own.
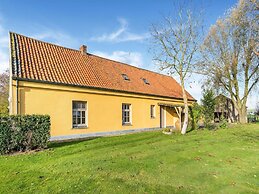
<point x="23" y="132"/>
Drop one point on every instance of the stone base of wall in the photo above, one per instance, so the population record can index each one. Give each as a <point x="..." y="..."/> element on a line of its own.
<point x="101" y="134"/>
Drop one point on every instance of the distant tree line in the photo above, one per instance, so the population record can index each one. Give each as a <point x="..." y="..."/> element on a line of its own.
<point x="4" y="92"/>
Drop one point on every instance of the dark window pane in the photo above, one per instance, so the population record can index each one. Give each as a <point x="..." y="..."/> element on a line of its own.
<point x="83" y="120"/>
<point x="74" y="105"/>
<point x="83" y="113"/>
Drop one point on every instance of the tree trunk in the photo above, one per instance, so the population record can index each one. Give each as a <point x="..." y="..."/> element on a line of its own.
<point x="185" y="100"/>
<point x="242" y="115"/>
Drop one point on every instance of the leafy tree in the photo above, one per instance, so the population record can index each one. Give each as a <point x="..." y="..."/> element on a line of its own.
<point x="196" y="114"/>
<point x="175" y="44"/>
<point x="208" y="106"/>
<point x="230" y="54"/>
<point x="4" y="88"/>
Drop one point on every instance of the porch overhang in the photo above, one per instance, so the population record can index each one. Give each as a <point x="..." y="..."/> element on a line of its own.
<point x="171" y="105"/>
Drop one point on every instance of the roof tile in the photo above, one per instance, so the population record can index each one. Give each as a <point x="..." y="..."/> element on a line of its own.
<point x="41" y="61"/>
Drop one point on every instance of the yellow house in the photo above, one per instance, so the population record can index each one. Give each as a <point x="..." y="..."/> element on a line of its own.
<point x="87" y="95"/>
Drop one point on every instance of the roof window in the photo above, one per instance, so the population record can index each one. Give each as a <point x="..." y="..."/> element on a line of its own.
<point x="125" y="77"/>
<point x="145" y="81"/>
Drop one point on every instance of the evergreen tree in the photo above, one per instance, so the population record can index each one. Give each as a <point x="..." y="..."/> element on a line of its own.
<point x="208" y="104"/>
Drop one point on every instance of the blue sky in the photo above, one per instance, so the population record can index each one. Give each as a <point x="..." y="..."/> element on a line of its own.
<point x="111" y="28"/>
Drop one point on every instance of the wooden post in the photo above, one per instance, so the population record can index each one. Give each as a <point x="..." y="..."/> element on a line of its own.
<point x="180" y="117"/>
<point x="179" y="113"/>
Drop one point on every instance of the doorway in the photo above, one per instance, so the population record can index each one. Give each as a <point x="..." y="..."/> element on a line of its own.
<point x="162" y="117"/>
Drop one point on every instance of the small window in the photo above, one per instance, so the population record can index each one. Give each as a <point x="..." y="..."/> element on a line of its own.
<point x="125" y="77"/>
<point x="79" y="114"/>
<point x="126" y="114"/>
<point x="146" y="81"/>
<point x="152" y="111"/>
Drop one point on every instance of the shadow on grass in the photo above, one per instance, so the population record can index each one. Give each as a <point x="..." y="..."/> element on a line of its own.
<point x="190" y="130"/>
<point x="57" y="144"/>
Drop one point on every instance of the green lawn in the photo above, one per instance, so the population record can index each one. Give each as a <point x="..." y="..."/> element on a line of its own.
<point x="222" y="161"/>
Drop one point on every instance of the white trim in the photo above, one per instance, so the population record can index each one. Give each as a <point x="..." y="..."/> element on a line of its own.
<point x="126" y="110"/>
<point x="80" y="109"/>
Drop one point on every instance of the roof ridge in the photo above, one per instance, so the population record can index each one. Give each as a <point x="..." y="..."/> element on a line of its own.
<point x="45" y="42"/>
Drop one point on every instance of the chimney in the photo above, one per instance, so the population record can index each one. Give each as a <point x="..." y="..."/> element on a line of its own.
<point x="83" y="49"/>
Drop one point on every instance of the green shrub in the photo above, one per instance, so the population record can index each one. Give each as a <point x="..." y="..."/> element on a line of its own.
<point x="223" y="123"/>
<point x="23" y="132"/>
<point x="195" y="116"/>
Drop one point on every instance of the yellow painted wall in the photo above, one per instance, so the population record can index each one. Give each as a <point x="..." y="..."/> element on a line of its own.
<point x="104" y="108"/>
<point x="171" y="116"/>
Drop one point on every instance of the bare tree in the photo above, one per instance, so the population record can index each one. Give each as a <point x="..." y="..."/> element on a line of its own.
<point x="175" y="44"/>
<point x="229" y="52"/>
<point x="4" y="80"/>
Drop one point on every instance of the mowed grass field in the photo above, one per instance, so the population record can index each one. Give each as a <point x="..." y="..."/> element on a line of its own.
<point x="221" y="161"/>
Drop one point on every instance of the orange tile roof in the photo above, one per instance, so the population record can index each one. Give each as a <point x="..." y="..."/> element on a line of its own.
<point x="35" y="60"/>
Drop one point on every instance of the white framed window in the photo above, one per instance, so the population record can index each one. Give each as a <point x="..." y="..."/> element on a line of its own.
<point x="79" y="114"/>
<point x="152" y="111"/>
<point x="126" y="114"/>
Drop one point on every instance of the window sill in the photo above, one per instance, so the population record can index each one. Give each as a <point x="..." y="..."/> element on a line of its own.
<point x="126" y="124"/>
<point x="152" y="117"/>
<point x="80" y="127"/>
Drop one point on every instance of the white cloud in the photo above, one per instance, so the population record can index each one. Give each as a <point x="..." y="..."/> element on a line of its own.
<point x="43" y="33"/>
<point x="132" y="58"/>
<point x="120" y="35"/>
<point x="55" y="36"/>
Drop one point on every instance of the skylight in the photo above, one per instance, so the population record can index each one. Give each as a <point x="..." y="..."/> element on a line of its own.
<point x="145" y="81"/>
<point x="125" y="77"/>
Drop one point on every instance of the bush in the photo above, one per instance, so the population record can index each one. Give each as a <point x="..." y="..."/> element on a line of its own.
<point x="208" y="103"/>
<point x="23" y="132"/>
<point x="223" y="123"/>
<point x="195" y="116"/>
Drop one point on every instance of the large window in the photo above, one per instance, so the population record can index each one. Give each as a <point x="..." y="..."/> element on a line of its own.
<point x="152" y="111"/>
<point x="126" y="114"/>
<point x="79" y="114"/>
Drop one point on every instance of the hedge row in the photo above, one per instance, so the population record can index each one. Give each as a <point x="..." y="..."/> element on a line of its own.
<point x="23" y="132"/>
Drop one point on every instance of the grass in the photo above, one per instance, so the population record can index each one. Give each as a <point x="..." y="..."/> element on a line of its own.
<point x="222" y="161"/>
